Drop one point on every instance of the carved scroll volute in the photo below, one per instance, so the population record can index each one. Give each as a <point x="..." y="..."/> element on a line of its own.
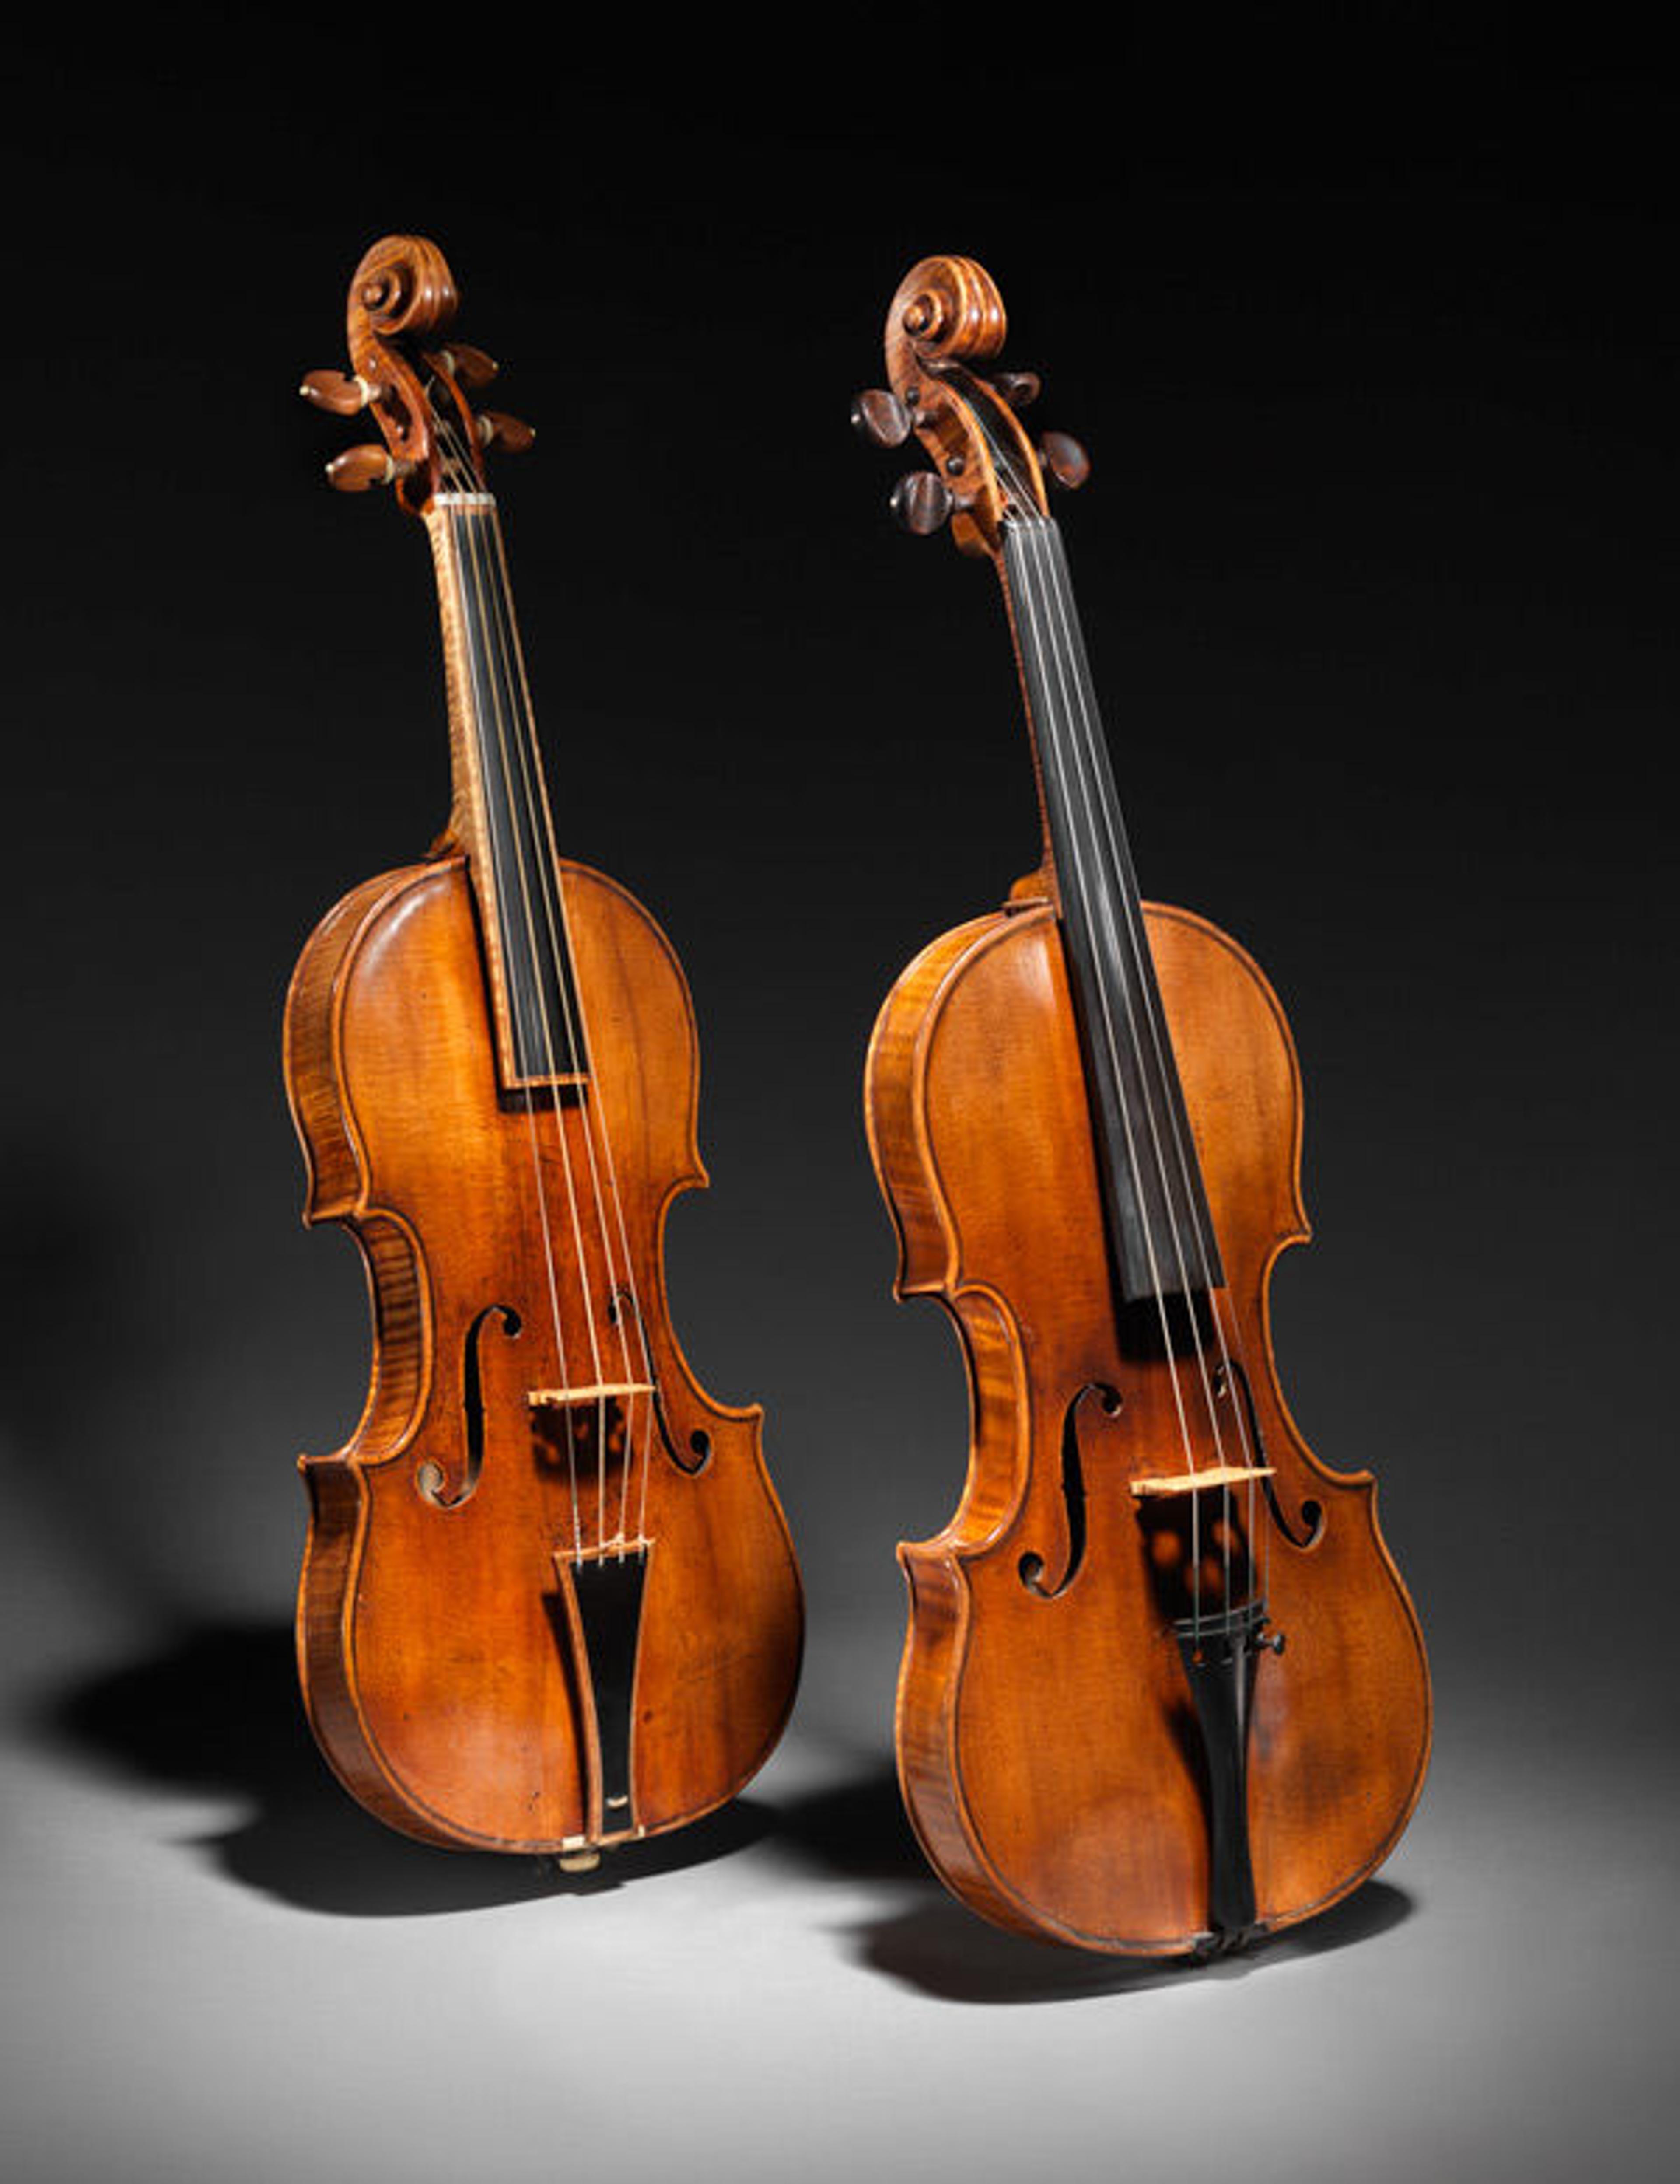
<point x="403" y="300"/>
<point x="946" y="322"/>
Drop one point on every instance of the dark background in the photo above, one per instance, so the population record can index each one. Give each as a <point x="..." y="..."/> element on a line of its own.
<point x="1371" y="336"/>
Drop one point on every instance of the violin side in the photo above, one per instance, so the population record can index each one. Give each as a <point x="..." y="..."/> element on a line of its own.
<point x="1048" y="1753"/>
<point x="437" y="1638"/>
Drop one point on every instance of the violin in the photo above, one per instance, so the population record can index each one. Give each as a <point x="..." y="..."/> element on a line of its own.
<point x="548" y="1602"/>
<point x="1163" y="1690"/>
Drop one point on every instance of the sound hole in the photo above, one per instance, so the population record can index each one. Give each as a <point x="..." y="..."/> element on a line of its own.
<point x="430" y="1478"/>
<point x="1031" y="1567"/>
<point x="1311" y="1511"/>
<point x="625" y="1305"/>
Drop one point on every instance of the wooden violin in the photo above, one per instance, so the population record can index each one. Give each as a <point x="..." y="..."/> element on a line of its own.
<point x="548" y="1600"/>
<point x="1162" y="1689"/>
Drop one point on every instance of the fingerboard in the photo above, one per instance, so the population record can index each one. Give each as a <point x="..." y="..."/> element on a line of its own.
<point x="501" y="807"/>
<point x="1162" y="1232"/>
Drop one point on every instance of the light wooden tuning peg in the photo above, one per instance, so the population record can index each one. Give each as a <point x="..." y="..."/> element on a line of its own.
<point x="358" y="468"/>
<point x="512" y="435"/>
<point x="1066" y="461"/>
<point x="470" y="365"/>
<point x="335" y="391"/>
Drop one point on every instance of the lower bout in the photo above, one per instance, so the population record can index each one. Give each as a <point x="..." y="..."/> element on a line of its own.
<point x="1092" y="1819"/>
<point x="582" y="1705"/>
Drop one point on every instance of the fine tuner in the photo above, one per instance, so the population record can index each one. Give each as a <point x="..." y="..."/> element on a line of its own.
<point x="922" y="502"/>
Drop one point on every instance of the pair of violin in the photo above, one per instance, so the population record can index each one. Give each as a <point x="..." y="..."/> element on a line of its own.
<point x="1162" y="1689"/>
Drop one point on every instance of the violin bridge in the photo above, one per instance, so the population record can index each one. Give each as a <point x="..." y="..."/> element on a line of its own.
<point x="571" y="1399"/>
<point x="601" y="1595"/>
<point x="1198" y="1482"/>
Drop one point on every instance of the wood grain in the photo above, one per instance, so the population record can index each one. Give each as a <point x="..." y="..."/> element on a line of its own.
<point x="1043" y="1744"/>
<point x="434" y="1679"/>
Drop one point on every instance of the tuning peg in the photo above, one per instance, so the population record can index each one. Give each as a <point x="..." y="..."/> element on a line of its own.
<point x="496" y="429"/>
<point x="921" y="503"/>
<point x="880" y="418"/>
<point x="470" y="365"/>
<point x="358" y="468"/>
<point x="338" y="392"/>
<point x="1066" y="461"/>
<point x="1019" y="388"/>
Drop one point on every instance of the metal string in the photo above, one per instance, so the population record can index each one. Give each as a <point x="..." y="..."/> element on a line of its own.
<point x="594" y="1114"/>
<point x="466" y="535"/>
<point x="577" y="1034"/>
<point x="1057" y="754"/>
<point x="541" y="1199"/>
<point x="553" y="1070"/>
<point x="466" y="498"/>
<point x="1137" y="941"/>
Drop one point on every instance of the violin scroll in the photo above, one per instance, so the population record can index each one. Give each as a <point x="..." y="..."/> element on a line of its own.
<point x="402" y="302"/>
<point x="946" y="325"/>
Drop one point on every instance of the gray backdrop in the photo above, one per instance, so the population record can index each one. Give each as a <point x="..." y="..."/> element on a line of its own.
<point x="1372" y="344"/>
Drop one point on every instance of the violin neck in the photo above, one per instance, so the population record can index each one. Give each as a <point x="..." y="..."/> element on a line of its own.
<point x="500" y="813"/>
<point x="1160" y="1230"/>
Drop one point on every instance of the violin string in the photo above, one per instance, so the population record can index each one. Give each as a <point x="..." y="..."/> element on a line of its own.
<point x="591" y="1107"/>
<point x="550" y="1063"/>
<point x="458" y="556"/>
<point x="1137" y="943"/>
<point x="591" y="1112"/>
<point x="1162" y="1046"/>
<point x="1057" y="757"/>
<point x="469" y="531"/>
<point x="553" y="1073"/>
<point x="482" y="510"/>
<point x="1025" y="499"/>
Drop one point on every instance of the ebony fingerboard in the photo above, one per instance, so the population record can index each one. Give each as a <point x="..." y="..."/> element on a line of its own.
<point x="1160" y="1230"/>
<point x="523" y="893"/>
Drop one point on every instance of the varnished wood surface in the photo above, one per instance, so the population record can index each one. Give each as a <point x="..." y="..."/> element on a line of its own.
<point x="436" y="1681"/>
<point x="1045" y="1748"/>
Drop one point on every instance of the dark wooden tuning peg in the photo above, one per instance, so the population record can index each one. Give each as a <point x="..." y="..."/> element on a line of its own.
<point x="358" y="468"/>
<point x="880" y="418"/>
<point x="921" y="503"/>
<point x="1066" y="461"/>
<point x="1019" y="388"/>
<point x="335" y="391"/>
<point x="512" y="435"/>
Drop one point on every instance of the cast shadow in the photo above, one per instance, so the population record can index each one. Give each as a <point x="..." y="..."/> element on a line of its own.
<point x="217" y="1709"/>
<point x="928" y="1941"/>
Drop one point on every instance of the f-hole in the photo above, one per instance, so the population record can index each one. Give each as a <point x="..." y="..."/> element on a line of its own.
<point x="699" y="1443"/>
<point x="429" y="1478"/>
<point x="1031" y="1567"/>
<point x="1312" y="1513"/>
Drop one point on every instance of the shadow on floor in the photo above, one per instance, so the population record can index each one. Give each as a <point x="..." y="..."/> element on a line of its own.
<point x="216" y="1709"/>
<point x="927" y="1940"/>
